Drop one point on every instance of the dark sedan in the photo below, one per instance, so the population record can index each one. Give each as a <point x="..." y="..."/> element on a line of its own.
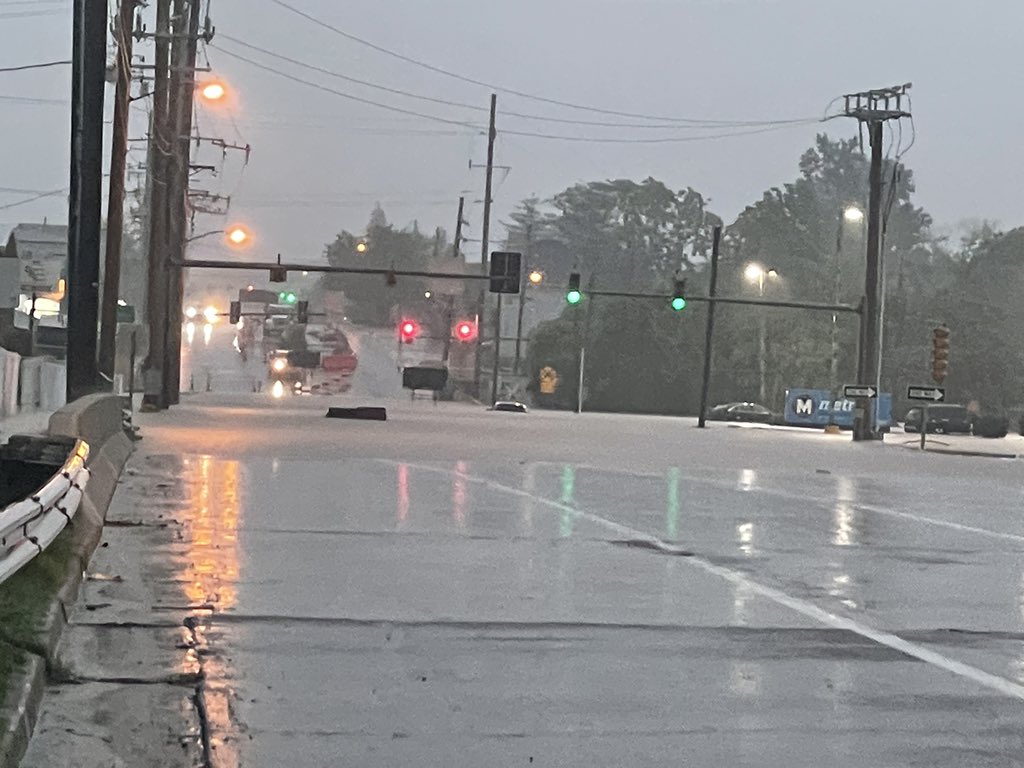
<point x="751" y="412"/>
<point x="942" y="419"/>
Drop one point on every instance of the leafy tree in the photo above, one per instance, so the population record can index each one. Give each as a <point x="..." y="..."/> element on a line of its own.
<point x="371" y="300"/>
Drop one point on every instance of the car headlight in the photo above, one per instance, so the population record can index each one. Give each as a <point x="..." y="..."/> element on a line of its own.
<point x="279" y="365"/>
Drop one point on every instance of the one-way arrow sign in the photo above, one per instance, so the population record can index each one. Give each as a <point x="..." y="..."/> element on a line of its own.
<point x="854" y="391"/>
<point x="932" y="394"/>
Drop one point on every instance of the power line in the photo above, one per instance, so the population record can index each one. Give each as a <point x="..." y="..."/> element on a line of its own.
<point x="349" y="96"/>
<point x="522" y="94"/>
<point x="505" y="113"/>
<point x="34" y="100"/>
<point x="32" y="14"/>
<point x="44" y="65"/>
<point x="39" y="196"/>
<point x="530" y="134"/>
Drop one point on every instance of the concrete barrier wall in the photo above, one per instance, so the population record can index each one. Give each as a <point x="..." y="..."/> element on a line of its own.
<point x="93" y="418"/>
<point x="10" y="364"/>
<point x="53" y="384"/>
<point x="31" y="372"/>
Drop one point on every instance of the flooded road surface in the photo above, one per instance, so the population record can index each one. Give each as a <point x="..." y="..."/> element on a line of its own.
<point x="457" y="587"/>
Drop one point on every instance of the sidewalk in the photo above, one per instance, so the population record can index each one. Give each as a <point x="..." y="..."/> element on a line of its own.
<point x="1009" y="447"/>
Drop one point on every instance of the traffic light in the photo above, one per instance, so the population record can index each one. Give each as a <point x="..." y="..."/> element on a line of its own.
<point x="940" y="353"/>
<point x="287" y="297"/>
<point x="278" y="274"/>
<point x="408" y="330"/>
<point x="235" y="312"/>
<point x="573" y="295"/>
<point x="679" y="295"/>
<point x="302" y="312"/>
<point x="465" y="330"/>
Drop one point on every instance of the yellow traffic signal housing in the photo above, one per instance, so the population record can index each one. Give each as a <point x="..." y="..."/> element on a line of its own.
<point x="940" y="353"/>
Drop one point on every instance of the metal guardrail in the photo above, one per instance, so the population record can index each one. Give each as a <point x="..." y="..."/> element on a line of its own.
<point x="28" y="527"/>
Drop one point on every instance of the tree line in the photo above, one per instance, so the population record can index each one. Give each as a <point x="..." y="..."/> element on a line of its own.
<point x="641" y="356"/>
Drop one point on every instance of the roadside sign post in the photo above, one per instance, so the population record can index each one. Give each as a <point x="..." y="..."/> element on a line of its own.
<point x="927" y="394"/>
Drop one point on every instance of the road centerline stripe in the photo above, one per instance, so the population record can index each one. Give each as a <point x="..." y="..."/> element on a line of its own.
<point x="796" y="604"/>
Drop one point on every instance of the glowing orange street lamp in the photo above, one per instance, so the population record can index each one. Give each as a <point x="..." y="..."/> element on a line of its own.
<point x="213" y="91"/>
<point x="238" y="235"/>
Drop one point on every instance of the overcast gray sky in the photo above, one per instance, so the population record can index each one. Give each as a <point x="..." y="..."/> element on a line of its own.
<point x="320" y="160"/>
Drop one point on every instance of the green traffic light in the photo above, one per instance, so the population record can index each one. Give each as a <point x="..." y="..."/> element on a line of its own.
<point x="290" y="298"/>
<point x="678" y="303"/>
<point x="573" y="297"/>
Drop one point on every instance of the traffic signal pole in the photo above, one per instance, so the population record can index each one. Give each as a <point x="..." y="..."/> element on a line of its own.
<point x="709" y="330"/>
<point x="484" y="247"/>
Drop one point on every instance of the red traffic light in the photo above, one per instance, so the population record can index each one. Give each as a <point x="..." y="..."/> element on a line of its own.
<point x="408" y="330"/>
<point x="465" y="330"/>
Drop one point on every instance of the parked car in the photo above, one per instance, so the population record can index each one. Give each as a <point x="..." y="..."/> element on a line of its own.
<point x="509" y="406"/>
<point x="752" y="412"/>
<point x="942" y="419"/>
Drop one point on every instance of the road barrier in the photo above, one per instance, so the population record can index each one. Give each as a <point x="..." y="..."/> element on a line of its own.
<point x="28" y="527"/>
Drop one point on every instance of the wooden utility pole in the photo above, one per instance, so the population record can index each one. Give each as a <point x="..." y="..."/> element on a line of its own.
<point x="458" y="229"/>
<point x="181" y="99"/>
<point x="484" y="248"/>
<point x="89" y="58"/>
<point x="156" y="301"/>
<point x="873" y="108"/>
<point x="115" y="195"/>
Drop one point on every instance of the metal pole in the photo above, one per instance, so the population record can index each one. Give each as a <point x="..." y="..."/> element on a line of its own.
<point x="32" y="326"/>
<point x="131" y="370"/>
<point x="89" y="53"/>
<point x="519" y="330"/>
<point x="924" y="424"/>
<point x="762" y="344"/>
<point x="579" y="391"/>
<point x="864" y="425"/>
<point x="458" y="229"/>
<point x="450" y="318"/>
<point x="485" y="243"/>
<point x="115" y="195"/>
<point x="836" y="286"/>
<point x="497" y="351"/>
<point x="709" y="330"/>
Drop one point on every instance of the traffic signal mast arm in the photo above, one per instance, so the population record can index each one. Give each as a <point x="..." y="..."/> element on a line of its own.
<point x="326" y="268"/>
<point x="732" y="300"/>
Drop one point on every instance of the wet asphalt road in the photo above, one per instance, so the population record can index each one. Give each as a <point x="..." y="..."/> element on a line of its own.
<point x="462" y="588"/>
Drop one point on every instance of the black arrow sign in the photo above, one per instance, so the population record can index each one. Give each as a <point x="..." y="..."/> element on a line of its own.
<point x="931" y="394"/>
<point x="852" y="391"/>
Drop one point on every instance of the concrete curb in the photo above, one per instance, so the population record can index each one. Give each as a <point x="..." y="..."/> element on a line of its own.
<point x="964" y="452"/>
<point x="23" y="701"/>
<point x="25" y="697"/>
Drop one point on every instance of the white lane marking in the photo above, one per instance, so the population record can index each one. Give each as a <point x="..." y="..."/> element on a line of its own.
<point x="803" y="607"/>
<point x="731" y="486"/>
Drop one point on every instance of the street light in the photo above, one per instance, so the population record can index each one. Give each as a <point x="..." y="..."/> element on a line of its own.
<point x="536" y="277"/>
<point x="361" y="247"/>
<point x="213" y="91"/>
<point x="238" y="235"/>
<point x="755" y="273"/>
<point x="853" y="214"/>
